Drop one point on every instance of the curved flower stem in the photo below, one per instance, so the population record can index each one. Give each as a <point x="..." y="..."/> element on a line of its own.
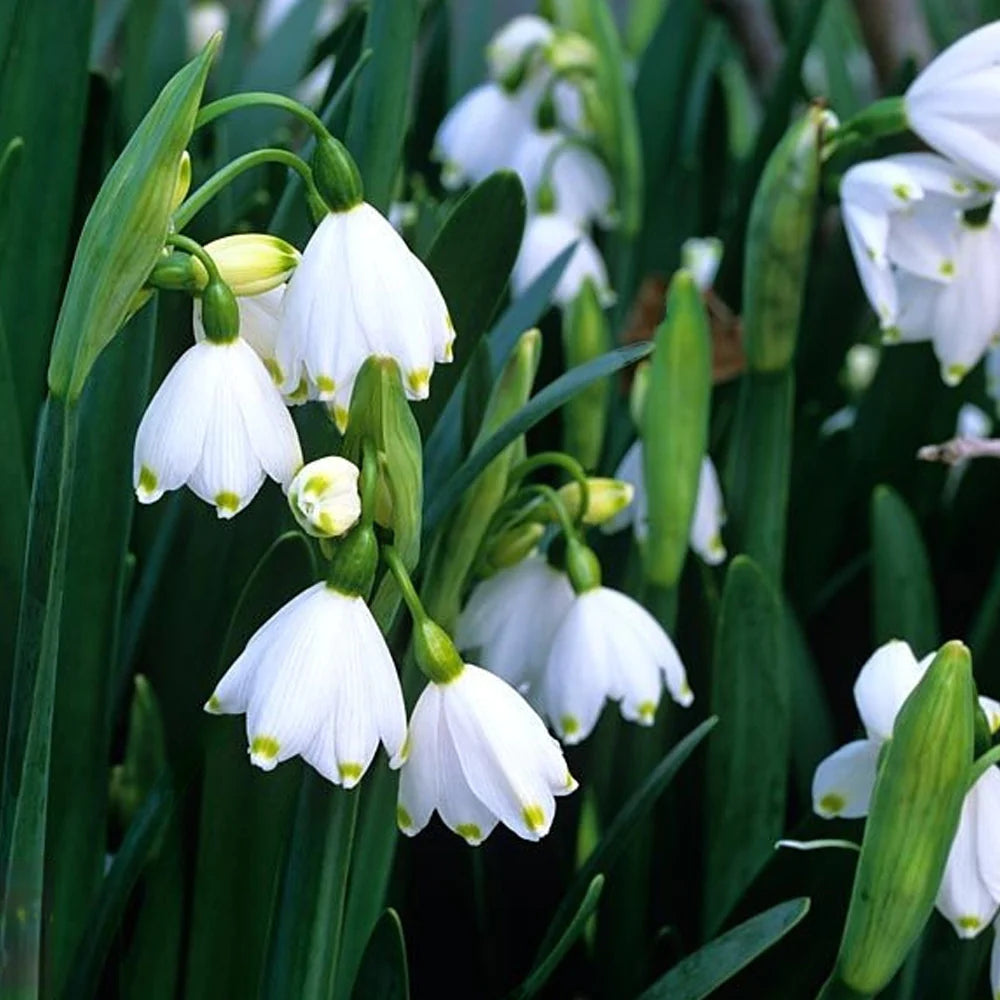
<point x="562" y="461"/>
<point x="569" y="526"/>
<point x="194" y="248"/>
<point x="398" y="569"/>
<point x="259" y="98"/>
<point x="227" y="174"/>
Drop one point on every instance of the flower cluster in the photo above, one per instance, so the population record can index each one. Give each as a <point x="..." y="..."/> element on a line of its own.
<point x="531" y="117"/>
<point x="969" y="896"/>
<point x="923" y="227"/>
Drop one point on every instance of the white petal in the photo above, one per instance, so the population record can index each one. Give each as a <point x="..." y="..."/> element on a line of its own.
<point x="883" y="684"/>
<point x="630" y="471"/>
<point x="987" y="792"/>
<point x="419" y="782"/>
<point x="458" y="804"/>
<point x="963" y="898"/>
<point x="991" y="708"/>
<point x="381" y="682"/>
<point x="171" y="433"/>
<point x="512" y="42"/>
<point x="974" y="51"/>
<point x="843" y="782"/>
<point x="709" y="516"/>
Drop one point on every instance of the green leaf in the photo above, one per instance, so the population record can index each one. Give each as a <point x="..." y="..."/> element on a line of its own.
<point x="245" y="815"/>
<point x="471" y="259"/>
<point x="102" y="505"/>
<point x="383" y="974"/>
<point x="538" y="407"/>
<point x="544" y="967"/>
<point x="43" y="93"/>
<point x="124" y="231"/>
<point x="133" y="855"/>
<point x="378" y="122"/>
<point x="155" y="44"/>
<point x="747" y="769"/>
<point x="905" y="605"/>
<point x="616" y="837"/>
<point x="444" y="449"/>
<point x="700" y="974"/>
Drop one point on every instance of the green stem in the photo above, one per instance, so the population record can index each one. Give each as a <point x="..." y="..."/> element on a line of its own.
<point x="259" y="98"/>
<point x="194" y="248"/>
<point x="398" y="569"/>
<point x="568" y="524"/>
<point x="227" y="174"/>
<point x="562" y="461"/>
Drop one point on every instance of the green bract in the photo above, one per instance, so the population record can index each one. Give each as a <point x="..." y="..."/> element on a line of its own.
<point x="125" y="229"/>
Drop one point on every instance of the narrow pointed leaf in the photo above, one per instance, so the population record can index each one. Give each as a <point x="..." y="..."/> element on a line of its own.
<point x="383" y="974"/>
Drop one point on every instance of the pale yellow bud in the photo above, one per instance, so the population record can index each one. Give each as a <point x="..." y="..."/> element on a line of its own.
<point x="605" y="499"/>
<point x="324" y="497"/>
<point x="251" y="263"/>
<point x="183" y="182"/>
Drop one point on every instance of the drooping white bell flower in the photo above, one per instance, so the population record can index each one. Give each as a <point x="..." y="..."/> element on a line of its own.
<point x="609" y="647"/>
<point x="360" y="292"/>
<point x="324" y="497"/>
<point x="260" y="320"/>
<point x="709" y="510"/>
<point x="478" y="754"/>
<point x="481" y="133"/>
<point x="552" y="165"/>
<point x="511" y="618"/>
<point x="218" y="425"/>
<point x="317" y="680"/>
<point x="952" y="104"/>
<point x="546" y="236"/>
<point x="516" y="41"/>
<point x="843" y="784"/>
<point x="962" y="315"/>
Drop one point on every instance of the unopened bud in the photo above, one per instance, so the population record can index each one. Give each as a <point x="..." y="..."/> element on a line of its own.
<point x="250" y="263"/>
<point x="324" y="497"/>
<point x="336" y="175"/>
<point x="183" y="182"/>
<point x="605" y="498"/>
<point x="510" y="547"/>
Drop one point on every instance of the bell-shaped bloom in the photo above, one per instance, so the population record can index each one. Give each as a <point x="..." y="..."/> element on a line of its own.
<point x="709" y="510"/>
<point x="574" y="176"/>
<point x="702" y="257"/>
<point x="324" y="497"/>
<point x="481" y="133"/>
<point x="843" y="784"/>
<point x="609" y="647"/>
<point x="360" y="292"/>
<point x="953" y="103"/>
<point x="546" y="236"/>
<point x="478" y="754"/>
<point x="519" y="39"/>
<point x="218" y="425"/>
<point x="260" y="321"/>
<point x="317" y="680"/>
<point x="511" y="618"/>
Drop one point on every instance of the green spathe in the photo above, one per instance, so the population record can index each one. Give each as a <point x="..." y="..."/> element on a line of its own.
<point x="675" y="427"/>
<point x="336" y="175"/>
<point x="125" y="229"/>
<point x="914" y="814"/>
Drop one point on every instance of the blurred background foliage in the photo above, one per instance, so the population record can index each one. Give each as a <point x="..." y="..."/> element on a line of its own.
<point x="158" y="601"/>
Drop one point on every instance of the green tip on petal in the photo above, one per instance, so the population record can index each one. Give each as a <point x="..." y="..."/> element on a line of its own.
<point x="646" y="712"/>
<point x="891" y="335"/>
<point x="947" y="269"/>
<point x="570" y="725"/>
<point x="832" y="804"/>
<point x="227" y="503"/>
<point x="534" y="818"/>
<point x="264" y="751"/>
<point x="419" y="381"/>
<point x="340" y="417"/>
<point x="470" y="833"/>
<point x="951" y="375"/>
<point x="147" y="481"/>
<point x="403" y="819"/>
<point x="970" y="924"/>
<point x="213" y="705"/>
<point x="350" y="773"/>
<point x="274" y="370"/>
<point x="325" y="384"/>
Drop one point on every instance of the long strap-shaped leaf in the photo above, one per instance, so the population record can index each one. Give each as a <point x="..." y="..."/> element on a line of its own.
<point x="708" y="968"/>
<point x="615" y="838"/>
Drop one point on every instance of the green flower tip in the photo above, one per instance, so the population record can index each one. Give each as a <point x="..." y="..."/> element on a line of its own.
<point x="213" y="706"/>
<point x="350" y="773"/>
<point x="147" y="481"/>
<point x="832" y="804"/>
<point x="470" y="832"/>
<point x="264" y="752"/>
<point x="969" y="923"/>
<point x="569" y="724"/>
<point x="951" y="375"/>
<point x="534" y="818"/>
<point x="647" y="710"/>
<point x="228" y="503"/>
<point x="403" y="819"/>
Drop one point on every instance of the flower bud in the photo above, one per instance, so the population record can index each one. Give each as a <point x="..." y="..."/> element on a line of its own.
<point x="324" y="497"/>
<point x="336" y="175"/>
<point x="219" y="313"/>
<point x="183" y="182"/>
<point x="510" y="548"/>
<point x="637" y="397"/>
<point x="779" y="237"/>
<point x="569" y="52"/>
<point x="605" y="498"/>
<point x="915" y="808"/>
<point x="176" y="272"/>
<point x="250" y="263"/>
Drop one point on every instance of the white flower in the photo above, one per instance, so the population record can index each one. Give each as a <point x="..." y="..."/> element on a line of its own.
<point x="324" y="497"/>
<point x="511" y="618"/>
<point x="702" y="256"/>
<point x="217" y="424"/>
<point x="546" y="236"/>
<point x="260" y="320"/>
<point x="478" y="754"/>
<point x="203" y="21"/>
<point x="516" y="40"/>
<point x="480" y="134"/>
<point x="578" y="181"/>
<point x="953" y="103"/>
<point x="311" y="89"/>
<point x="360" y="292"/>
<point x="843" y="784"/>
<point x="709" y="510"/>
<point x="317" y="680"/>
<point x="609" y="647"/>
